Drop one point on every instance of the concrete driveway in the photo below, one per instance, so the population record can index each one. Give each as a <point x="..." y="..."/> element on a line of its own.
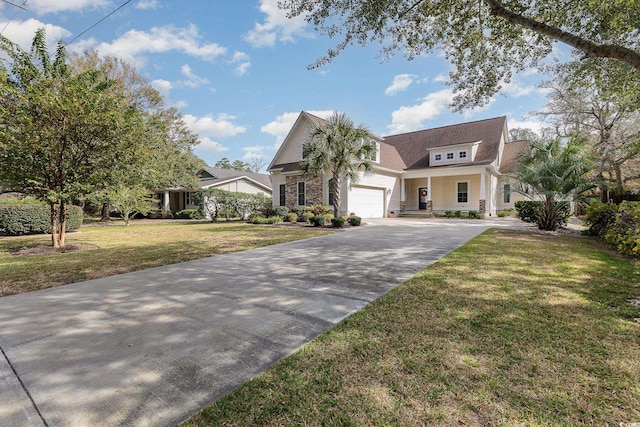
<point x="152" y="347"/>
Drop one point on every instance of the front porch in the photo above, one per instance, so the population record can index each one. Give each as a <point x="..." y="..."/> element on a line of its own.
<point x="425" y="193"/>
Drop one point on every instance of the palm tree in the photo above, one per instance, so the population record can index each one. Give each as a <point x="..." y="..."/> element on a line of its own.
<point x="554" y="171"/>
<point x="339" y="147"/>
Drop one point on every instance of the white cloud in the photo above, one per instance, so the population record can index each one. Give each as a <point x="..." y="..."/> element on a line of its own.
<point x="440" y="78"/>
<point x="147" y="4"/>
<point x="194" y="80"/>
<point x="535" y="125"/>
<point x="54" y="6"/>
<point x="400" y="83"/>
<point x="162" y="86"/>
<point x="134" y="43"/>
<point x="220" y="126"/>
<point x="515" y="89"/>
<point x="208" y="146"/>
<point x="22" y="32"/>
<point x="276" y="26"/>
<point x="255" y="152"/>
<point x="242" y="69"/>
<point x="281" y="126"/>
<point x="410" y="118"/>
<point x="242" y="61"/>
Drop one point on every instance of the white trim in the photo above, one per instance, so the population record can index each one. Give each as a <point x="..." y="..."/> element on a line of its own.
<point x="286" y="138"/>
<point x="215" y="184"/>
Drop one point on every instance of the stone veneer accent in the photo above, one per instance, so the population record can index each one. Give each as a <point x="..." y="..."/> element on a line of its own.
<point x="403" y="205"/>
<point x="483" y="206"/>
<point x="429" y="205"/>
<point x="313" y="190"/>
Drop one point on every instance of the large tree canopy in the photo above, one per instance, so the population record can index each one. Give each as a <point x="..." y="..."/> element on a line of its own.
<point x="486" y="40"/>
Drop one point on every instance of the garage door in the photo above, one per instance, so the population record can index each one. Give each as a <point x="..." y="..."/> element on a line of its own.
<point x="367" y="202"/>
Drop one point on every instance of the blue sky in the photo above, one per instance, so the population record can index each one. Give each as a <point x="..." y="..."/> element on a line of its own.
<point x="237" y="70"/>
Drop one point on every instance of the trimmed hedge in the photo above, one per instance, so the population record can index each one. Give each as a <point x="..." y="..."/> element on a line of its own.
<point x="35" y="218"/>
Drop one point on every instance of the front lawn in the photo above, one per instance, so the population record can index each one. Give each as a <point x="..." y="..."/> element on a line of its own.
<point x="511" y="329"/>
<point x="122" y="249"/>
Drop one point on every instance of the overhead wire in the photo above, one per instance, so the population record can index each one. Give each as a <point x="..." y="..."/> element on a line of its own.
<point x="18" y="7"/>
<point x="100" y="21"/>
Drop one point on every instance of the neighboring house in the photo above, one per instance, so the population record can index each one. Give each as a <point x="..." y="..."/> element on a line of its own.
<point x="458" y="167"/>
<point x="176" y="199"/>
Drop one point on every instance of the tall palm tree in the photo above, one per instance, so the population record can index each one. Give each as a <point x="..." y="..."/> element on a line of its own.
<point x="339" y="147"/>
<point x="553" y="171"/>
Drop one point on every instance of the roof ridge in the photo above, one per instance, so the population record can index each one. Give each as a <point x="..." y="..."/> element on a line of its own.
<point x="448" y="126"/>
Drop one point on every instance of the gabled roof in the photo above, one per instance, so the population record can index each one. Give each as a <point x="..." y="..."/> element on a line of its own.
<point x="512" y="150"/>
<point x="212" y="176"/>
<point x="413" y="147"/>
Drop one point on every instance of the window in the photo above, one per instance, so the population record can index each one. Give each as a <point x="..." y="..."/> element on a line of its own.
<point x="507" y="193"/>
<point x="372" y="153"/>
<point x="301" y="197"/>
<point x="281" y="194"/>
<point x="438" y="157"/>
<point x="331" y="193"/>
<point x="463" y="192"/>
<point x="462" y="155"/>
<point x="188" y="199"/>
<point x="449" y="156"/>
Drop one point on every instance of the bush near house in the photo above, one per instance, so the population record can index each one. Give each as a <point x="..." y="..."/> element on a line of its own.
<point x="354" y="220"/>
<point x="188" y="214"/>
<point x="306" y="217"/>
<point x="337" y="222"/>
<point x="32" y="217"/>
<point x="291" y="217"/>
<point x="617" y="225"/>
<point x="529" y="210"/>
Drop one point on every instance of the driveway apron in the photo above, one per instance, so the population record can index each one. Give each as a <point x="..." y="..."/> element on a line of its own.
<point x="150" y="348"/>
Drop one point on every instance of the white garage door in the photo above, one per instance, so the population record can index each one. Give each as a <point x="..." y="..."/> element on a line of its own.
<point x="367" y="202"/>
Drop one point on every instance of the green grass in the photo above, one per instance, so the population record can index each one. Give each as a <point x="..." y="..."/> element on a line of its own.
<point x="123" y="249"/>
<point x="511" y="329"/>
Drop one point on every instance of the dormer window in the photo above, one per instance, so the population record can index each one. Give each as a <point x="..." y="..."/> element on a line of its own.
<point x="449" y="156"/>
<point x="438" y="157"/>
<point x="462" y="155"/>
<point x="372" y="152"/>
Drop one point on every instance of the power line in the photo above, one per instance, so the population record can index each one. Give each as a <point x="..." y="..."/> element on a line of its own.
<point x="97" y="23"/>
<point x="16" y="5"/>
<point x="14" y="13"/>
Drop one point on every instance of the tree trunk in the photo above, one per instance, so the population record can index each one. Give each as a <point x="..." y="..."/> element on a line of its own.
<point x="105" y="212"/>
<point x="548" y="215"/>
<point x="63" y="223"/>
<point x="54" y="225"/>
<point x="619" y="180"/>
<point x="336" y="196"/>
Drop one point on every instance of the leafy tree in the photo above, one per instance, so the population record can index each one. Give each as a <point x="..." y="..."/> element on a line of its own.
<point x="552" y="171"/>
<point x="59" y="131"/>
<point x="485" y="40"/>
<point x="523" y="134"/>
<point x="214" y="202"/>
<point x="601" y="112"/>
<point x="129" y="201"/>
<point x="340" y="147"/>
<point x="253" y="166"/>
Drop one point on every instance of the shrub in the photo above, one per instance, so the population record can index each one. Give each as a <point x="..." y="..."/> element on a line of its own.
<point x="600" y="217"/>
<point x="34" y="218"/>
<point x="474" y="215"/>
<point x="528" y="210"/>
<point x="188" y="214"/>
<point x="320" y="209"/>
<point x="505" y="212"/>
<point x="457" y="214"/>
<point x="337" y="222"/>
<point x="292" y="217"/>
<point x="448" y="214"/>
<point x="299" y="210"/>
<point x="624" y="233"/>
<point x="328" y="217"/>
<point x="317" y="220"/>
<point x="258" y="219"/>
<point x="306" y="217"/>
<point x="282" y="211"/>
<point x="354" y="220"/>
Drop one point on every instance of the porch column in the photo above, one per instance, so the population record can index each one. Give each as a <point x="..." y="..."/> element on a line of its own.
<point x="166" y="206"/>
<point x="429" y="200"/>
<point x="483" y="197"/>
<point x="403" y="196"/>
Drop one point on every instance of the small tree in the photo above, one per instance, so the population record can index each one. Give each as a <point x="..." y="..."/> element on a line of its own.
<point x="340" y="147"/>
<point x="214" y="202"/>
<point x="553" y="171"/>
<point x="129" y="201"/>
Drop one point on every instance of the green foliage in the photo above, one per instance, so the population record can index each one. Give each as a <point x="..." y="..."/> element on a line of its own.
<point x="306" y="217"/>
<point x="299" y="210"/>
<point x="354" y="220"/>
<point x="448" y="214"/>
<point x="505" y="212"/>
<point x="531" y="211"/>
<point x="486" y="41"/>
<point x="600" y="217"/>
<point x="317" y="220"/>
<point x="259" y="219"/>
<point x="217" y="203"/>
<point x="129" y="201"/>
<point x="624" y="233"/>
<point x="282" y="211"/>
<point x="319" y="209"/>
<point x="474" y="215"/>
<point x="188" y="214"/>
<point x="340" y="147"/>
<point x="337" y="222"/>
<point x="34" y="218"/>
<point x="528" y="210"/>
<point x="328" y="217"/>
<point x="457" y="214"/>
<point x="291" y="217"/>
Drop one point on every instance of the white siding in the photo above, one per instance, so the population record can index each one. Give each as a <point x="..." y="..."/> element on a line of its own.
<point x="292" y="148"/>
<point x="277" y="178"/>
<point x="243" y="186"/>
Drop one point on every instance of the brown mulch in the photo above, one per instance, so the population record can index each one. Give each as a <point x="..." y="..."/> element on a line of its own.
<point x="49" y="250"/>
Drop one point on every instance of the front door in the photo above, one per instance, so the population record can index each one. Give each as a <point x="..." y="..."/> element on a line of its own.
<point x="422" y="198"/>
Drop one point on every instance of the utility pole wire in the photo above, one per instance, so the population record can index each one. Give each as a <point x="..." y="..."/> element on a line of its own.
<point x="14" y="13"/>
<point x="16" y="5"/>
<point x="97" y="23"/>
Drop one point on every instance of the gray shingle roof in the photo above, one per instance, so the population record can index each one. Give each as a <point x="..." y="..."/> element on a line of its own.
<point x="215" y="175"/>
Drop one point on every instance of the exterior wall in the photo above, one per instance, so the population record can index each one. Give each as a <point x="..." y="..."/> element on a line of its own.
<point x="501" y="205"/>
<point x="292" y="148"/>
<point x="444" y="192"/>
<point x="242" y="186"/>
<point x="313" y="189"/>
<point x="276" y="179"/>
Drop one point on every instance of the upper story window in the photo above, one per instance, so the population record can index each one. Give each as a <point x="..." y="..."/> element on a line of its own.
<point x="449" y="156"/>
<point x="462" y="154"/>
<point x="372" y="152"/>
<point x="438" y="157"/>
